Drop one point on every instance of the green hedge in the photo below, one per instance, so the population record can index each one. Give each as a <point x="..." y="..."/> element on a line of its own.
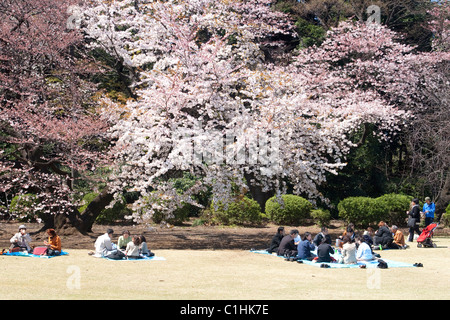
<point x="445" y="219"/>
<point x="291" y="210"/>
<point x="242" y="211"/>
<point x="361" y="211"/>
<point x="396" y="206"/>
<point x="321" y="217"/>
<point x="365" y="211"/>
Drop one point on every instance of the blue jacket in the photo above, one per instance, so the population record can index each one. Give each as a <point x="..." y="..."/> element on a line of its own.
<point x="430" y="208"/>
<point x="304" y="249"/>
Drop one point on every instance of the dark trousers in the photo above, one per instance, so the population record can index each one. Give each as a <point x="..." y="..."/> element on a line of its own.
<point x="428" y="221"/>
<point x="411" y="232"/>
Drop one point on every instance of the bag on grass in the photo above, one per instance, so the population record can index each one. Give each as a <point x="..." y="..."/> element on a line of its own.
<point x="40" y="250"/>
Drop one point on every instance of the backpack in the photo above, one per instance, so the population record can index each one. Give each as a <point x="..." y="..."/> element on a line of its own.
<point x="382" y="264"/>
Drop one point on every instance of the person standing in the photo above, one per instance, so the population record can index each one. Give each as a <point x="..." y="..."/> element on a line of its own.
<point x="414" y="213"/>
<point x="428" y="210"/>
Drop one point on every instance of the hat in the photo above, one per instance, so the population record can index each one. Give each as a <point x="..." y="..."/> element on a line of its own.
<point x="22" y="227"/>
<point x="427" y="198"/>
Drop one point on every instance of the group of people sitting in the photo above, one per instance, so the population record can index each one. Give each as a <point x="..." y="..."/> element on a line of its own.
<point x="127" y="247"/>
<point x="21" y="242"/>
<point x="351" y="246"/>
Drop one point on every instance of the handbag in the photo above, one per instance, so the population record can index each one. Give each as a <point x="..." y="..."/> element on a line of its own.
<point x="411" y="222"/>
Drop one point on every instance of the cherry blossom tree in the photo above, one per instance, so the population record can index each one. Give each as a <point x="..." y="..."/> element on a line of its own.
<point x="217" y="109"/>
<point x="50" y="128"/>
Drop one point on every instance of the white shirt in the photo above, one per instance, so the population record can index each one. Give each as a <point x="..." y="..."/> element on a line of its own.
<point x="103" y="245"/>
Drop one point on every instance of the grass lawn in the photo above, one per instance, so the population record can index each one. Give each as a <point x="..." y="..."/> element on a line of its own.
<point x="224" y="275"/>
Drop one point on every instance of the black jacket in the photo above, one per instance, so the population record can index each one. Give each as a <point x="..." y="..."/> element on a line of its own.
<point x="275" y="243"/>
<point x="415" y="213"/>
<point x="287" y="243"/>
<point x="323" y="252"/>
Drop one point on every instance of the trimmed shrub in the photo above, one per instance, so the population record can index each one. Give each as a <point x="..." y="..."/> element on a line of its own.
<point x="291" y="210"/>
<point x="362" y="211"/>
<point x="321" y="217"/>
<point x="396" y="206"/>
<point x="445" y="219"/>
<point x="241" y="211"/>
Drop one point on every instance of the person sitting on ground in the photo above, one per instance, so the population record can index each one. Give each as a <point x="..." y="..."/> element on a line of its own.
<point x="368" y="236"/>
<point x="287" y="244"/>
<point x="123" y="240"/>
<point x="305" y="247"/>
<point x="323" y="234"/>
<point x="132" y="249"/>
<point x="324" y="251"/>
<point x="276" y="240"/>
<point x="143" y="248"/>
<point x="348" y="251"/>
<point x="364" y="253"/>
<point x="105" y="248"/>
<point x="21" y="240"/>
<point x="350" y="230"/>
<point x="383" y="236"/>
<point x="53" y="244"/>
<point x="399" y="239"/>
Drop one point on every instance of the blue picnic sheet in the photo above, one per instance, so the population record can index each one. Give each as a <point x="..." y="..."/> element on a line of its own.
<point x="154" y="258"/>
<point x="368" y="264"/>
<point x="143" y="258"/>
<point x="26" y="254"/>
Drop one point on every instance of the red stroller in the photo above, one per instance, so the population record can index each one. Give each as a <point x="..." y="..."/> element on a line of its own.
<point x="425" y="237"/>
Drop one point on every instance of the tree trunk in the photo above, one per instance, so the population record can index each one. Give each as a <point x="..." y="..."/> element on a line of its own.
<point x="257" y="194"/>
<point x="83" y="222"/>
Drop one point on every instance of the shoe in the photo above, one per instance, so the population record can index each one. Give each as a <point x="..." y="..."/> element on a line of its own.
<point x="362" y="266"/>
<point x="299" y="261"/>
<point x="418" y="264"/>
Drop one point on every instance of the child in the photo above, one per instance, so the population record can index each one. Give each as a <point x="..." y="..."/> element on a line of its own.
<point x="132" y="249"/>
